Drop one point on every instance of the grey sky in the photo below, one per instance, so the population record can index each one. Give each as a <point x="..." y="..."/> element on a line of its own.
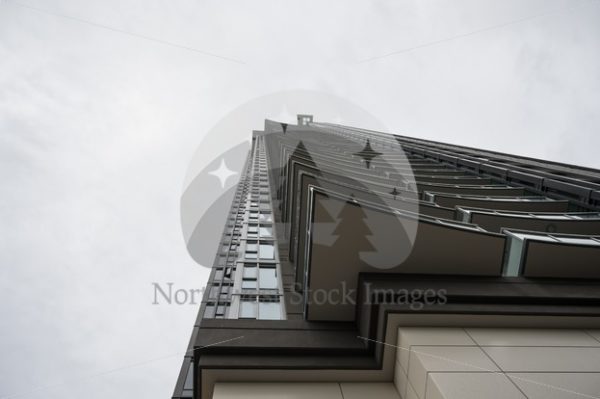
<point x="97" y="129"/>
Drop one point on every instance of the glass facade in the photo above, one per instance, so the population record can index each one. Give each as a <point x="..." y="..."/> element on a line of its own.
<point x="245" y="282"/>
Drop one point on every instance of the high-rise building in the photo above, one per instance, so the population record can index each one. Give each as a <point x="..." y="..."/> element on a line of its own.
<point x="357" y="264"/>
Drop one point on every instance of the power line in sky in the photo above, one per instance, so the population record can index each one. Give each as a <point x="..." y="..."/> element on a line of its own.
<point x="117" y="30"/>
<point x="114" y="370"/>
<point x="471" y="33"/>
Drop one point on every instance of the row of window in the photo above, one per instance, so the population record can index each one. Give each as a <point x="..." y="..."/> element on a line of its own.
<point x="260" y="276"/>
<point x="217" y="310"/>
<point x="254" y="250"/>
<point x="260" y="285"/>
<point x="263" y="308"/>
<point x="221" y="288"/>
<point x="258" y="293"/>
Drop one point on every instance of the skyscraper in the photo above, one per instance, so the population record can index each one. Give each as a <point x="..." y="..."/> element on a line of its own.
<point x="356" y="263"/>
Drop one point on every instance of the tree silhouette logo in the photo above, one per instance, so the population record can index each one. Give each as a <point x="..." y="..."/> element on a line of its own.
<point x="219" y="162"/>
<point x="352" y="218"/>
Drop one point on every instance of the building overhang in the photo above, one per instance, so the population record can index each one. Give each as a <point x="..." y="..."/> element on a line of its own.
<point x="364" y="351"/>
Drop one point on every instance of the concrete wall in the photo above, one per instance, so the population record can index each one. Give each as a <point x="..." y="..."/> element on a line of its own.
<point x="305" y="390"/>
<point x="457" y="363"/>
<point x="463" y="363"/>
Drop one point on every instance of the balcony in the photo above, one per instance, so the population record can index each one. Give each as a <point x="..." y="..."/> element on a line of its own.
<point x="532" y="254"/>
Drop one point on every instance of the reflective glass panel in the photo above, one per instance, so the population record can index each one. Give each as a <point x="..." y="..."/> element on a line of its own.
<point x="249" y="284"/>
<point x="248" y="308"/>
<point x="266" y="231"/>
<point x="249" y="271"/>
<point x="267" y="251"/>
<point x="268" y="278"/>
<point x="269" y="310"/>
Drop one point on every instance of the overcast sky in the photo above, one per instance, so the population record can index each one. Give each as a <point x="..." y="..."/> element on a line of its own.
<point x="97" y="129"/>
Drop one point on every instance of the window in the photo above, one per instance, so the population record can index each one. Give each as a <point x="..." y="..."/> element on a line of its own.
<point x="188" y="386"/>
<point x="267" y="251"/>
<point x="209" y="311"/>
<point x="251" y="250"/>
<point x="266" y="217"/>
<point x="268" y="278"/>
<point x="249" y="270"/>
<point x="248" y="308"/>
<point x="229" y="273"/>
<point x="248" y="284"/>
<point x="214" y="291"/>
<point x="266" y="231"/>
<point x="269" y="310"/>
<point x="225" y="291"/>
<point x="221" y="311"/>
<point x="252" y="231"/>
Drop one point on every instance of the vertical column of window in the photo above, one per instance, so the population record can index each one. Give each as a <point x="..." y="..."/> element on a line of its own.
<point x="220" y="287"/>
<point x="244" y="216"/>
<point x="260" y="285"/>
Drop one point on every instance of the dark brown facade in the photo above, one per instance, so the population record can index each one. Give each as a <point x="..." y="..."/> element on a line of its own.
<point x="338" y="235"/>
